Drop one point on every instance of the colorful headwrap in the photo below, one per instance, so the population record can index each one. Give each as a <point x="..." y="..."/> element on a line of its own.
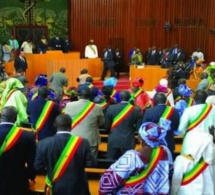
<point x="11" y="84"/>
<point x="184" y="90"/>
<point x="41" y="80"/>
<point x="153" y="134"/>
<point x="111" y="82"/>
<point x="138" y="82"/>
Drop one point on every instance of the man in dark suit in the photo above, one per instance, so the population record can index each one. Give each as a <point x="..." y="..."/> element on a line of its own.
<point x="153" y="56"/>
<point x="154" y="114"/>
<point x="35" y="108"/>
<point x="16" y="163"/>
<point x="179" y="57"/>
<point x="109" y="64"/>
<point x="118" y="61"/>
<point x="121" y="137"/>
<point x="73" y="180"/>
<point x="21" y="62"/>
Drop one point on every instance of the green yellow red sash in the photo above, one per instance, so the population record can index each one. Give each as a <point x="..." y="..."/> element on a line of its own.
<point x="113" y="93"/>
<point x="194" y="172"/>
<point x="156" y="156"/>
<point x="63" y="110"/>
<point x="104" y="104"/>
<point x="203" y="114"/>
<point x="47" y="108"/>
<point x="167" y="113"/>
<point x="190" y="102"/>
<point x="84" y="112"/>
<point x="63" y="162"/>
<point x="168" y="92"/>
<point x="10" y="139"/>
<point x="137" y="93"/>
<point x="90" y="86"/>
<point x="122" y="115"/>
<point x="92" y="48"/>
<point x="34" y="96"/>
<point x="177" y="99"/>
<point x="10" y="93"/>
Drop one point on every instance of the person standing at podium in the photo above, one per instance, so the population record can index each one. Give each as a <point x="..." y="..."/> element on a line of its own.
<point x="21" y="62"/>
<point x="91" y="50"/>
<point x="57" y="43"/>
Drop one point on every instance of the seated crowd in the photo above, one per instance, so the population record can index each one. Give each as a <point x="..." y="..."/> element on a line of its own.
<point x="64" y="136"/>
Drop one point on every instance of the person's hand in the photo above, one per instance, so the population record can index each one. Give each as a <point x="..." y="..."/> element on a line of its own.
<point x="212" y="132"/>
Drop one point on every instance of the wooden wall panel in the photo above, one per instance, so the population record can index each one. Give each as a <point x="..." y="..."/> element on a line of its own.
<point x="140" y="23"/>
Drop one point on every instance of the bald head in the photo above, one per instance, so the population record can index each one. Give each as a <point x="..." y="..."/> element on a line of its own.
<point x="160" y="98"/>
<point x="63" y="122"/>
<point x="200" y="96"/>
<point x="9" y="114"/>
<point x="125" y="95"/>
<point x="85" y="93"/>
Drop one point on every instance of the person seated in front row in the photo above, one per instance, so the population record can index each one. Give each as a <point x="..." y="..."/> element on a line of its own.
<point x="138" y="170"/>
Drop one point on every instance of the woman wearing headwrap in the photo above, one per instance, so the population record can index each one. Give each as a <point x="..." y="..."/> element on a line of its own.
<point x="111" y="82"/>
<point x="194" y="168"/>
<point x="163" y="88"/>
<point x="12" y="96"/>
<point x="185" y="100"/>
<point x="138" y="96"/>
<point x="143" y="171"/>
<point x="41" y="80"/>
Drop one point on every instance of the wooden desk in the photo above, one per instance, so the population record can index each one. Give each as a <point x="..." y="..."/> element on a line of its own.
<point x="150" y="74"/>
<point x="74" y="67"/>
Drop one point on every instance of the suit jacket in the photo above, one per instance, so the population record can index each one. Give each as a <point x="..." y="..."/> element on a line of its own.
<point x="20" y="64"/>
<point x="34" y="109"/>
<point x="153" y="115"/>
<point x="13" y="170"/>
<point x="89" y="126"/>
<point x="58" y="81"/>
<point x="153" y="58"/>
<point x="73" y="181"/>
<point x="122" y="136"/>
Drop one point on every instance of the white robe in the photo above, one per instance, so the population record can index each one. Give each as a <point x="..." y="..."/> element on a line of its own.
<point x="202" y="185"/>
<point x="89" y="53"/>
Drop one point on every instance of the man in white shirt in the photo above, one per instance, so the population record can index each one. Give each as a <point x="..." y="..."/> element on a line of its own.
<point x="91" y="50"/>
<point x="198" y="53"/>
<point x="27" y="46"/>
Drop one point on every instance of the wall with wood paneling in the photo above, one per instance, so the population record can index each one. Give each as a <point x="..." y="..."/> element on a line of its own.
<point x="140" y="23"/>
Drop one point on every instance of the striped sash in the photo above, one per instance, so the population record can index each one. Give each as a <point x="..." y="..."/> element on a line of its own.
<point x="190" y="102"/>
<point x="92" y="48"/>
<point x="113" y="93"/>
<point x="63" y="162"/>
<point x="10" y="139"/>
<point x="84" y="112"/>
<point x="90" y="86"/>
<point x="10" y="93"/>
<point x="167" y="113"/>
<point x="177" y="99"/>
<point x="156" y="156"/>
<point x="47" y="108"/>
<point x="194" y="172"/>
<point x="104" y="104"/>
<point x="122" y="115"/>
<point x="34" y="96"/>
<point x="203" y="114"/>
<point x="137" y="93"/>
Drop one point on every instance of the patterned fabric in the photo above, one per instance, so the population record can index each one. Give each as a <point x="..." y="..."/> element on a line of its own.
<point x="130" y="164"/>
<point x="153" y="134"/>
